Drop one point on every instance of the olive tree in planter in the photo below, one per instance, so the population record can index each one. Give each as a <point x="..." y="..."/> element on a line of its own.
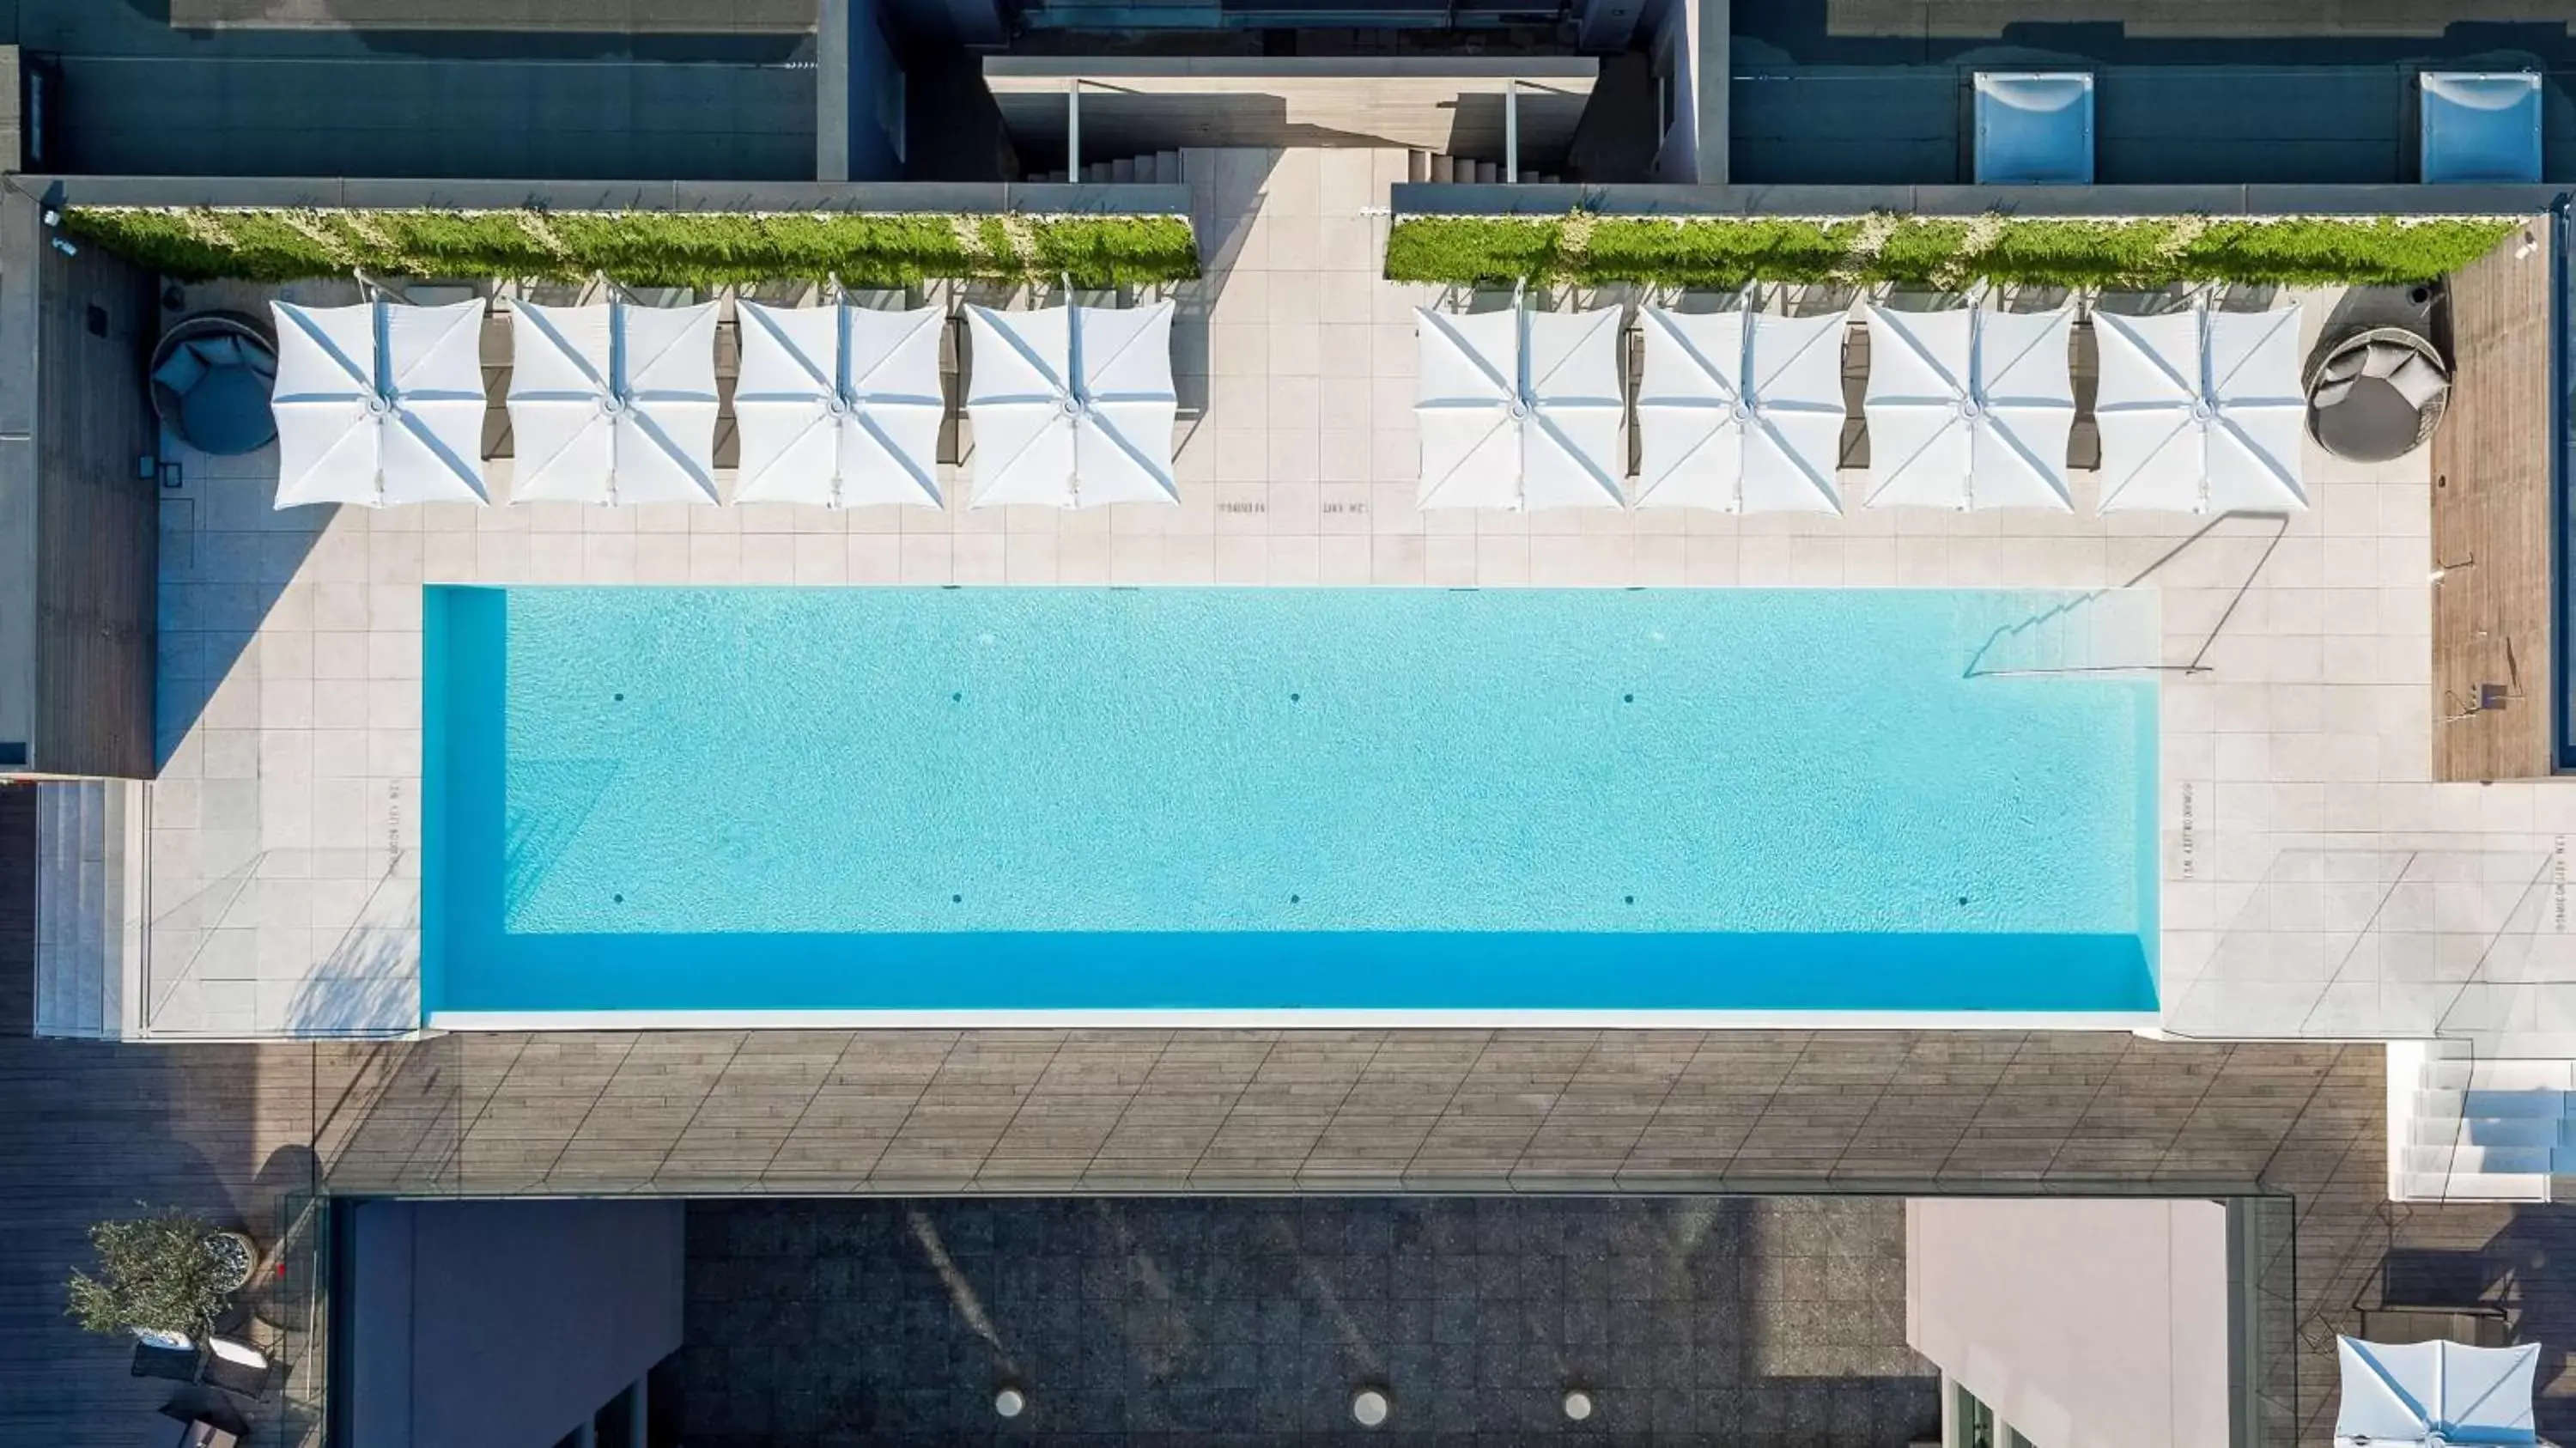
<point x="160" y="1277"/>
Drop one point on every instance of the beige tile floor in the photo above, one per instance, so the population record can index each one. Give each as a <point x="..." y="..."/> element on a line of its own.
<point x="2314" y="882"/>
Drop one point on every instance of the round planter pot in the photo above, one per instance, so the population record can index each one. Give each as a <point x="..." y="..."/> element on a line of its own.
<point x="239" y="1256"/>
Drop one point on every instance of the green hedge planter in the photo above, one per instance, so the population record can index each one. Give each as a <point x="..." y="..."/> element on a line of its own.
<point x="1730" y="252"/>
<point x="642" y="248"/>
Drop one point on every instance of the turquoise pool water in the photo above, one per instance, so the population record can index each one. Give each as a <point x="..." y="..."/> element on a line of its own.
<point x="962" y="800"/>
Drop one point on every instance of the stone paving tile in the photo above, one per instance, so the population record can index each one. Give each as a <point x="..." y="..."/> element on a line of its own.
<point x="286" y="848"/>
<point x="1251" y="1321"/>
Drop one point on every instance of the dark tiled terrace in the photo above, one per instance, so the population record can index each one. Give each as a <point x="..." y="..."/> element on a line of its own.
<point x="1243" y="1321"/>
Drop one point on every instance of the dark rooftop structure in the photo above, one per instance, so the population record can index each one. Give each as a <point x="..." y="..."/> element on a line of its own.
<point x="1871" y="91"/>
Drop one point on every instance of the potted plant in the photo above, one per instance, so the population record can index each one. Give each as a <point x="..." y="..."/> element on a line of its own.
<point x="160" y="1277"/>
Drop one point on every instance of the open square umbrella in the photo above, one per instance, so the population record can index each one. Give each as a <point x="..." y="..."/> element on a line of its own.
<point x="379" y="404"/>
<point x="2428" y="1394"/>
<point x="1741" y="412"/>
<point x="1520" y="409"/>
<point x="613" y="404"/>
<point x="1969" y="408"/>
<point x="1072" y="406"/>
<point x="2201" y="411"/>
<point x="838" y="406"/>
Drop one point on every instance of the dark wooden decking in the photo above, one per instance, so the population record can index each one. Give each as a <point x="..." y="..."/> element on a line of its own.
<point x="87" y="1130"/>
<point x="2492" y="674"/>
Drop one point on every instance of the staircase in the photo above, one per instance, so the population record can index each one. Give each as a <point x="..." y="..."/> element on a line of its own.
<point x="1153" y="168"/>
<point x="1438" y="168"/>
<point x="90" y="908"/>
<point x="2464" y="1129"/>
<point x="1164" y="167"/>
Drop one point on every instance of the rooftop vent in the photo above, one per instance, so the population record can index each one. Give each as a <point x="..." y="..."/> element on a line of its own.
<point x="2481" y="127"/>
<point x="2034" y="128"/>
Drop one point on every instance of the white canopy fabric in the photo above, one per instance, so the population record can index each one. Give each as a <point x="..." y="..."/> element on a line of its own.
<point x="2431" y="1393"/>
<point x="1520" y="409"/>
<point x="1740" y="412"/>
<point x="838" y="406"/>
<point x="379" y="404"/>
<point x="1969" y="408"/>
<point x="2201" y="411"/>
<point x="613" y="404"/>
<point x="1072" y="406"/>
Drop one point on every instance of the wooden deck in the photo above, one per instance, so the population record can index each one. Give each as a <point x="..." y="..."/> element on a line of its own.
<point x="2493" y="683"/>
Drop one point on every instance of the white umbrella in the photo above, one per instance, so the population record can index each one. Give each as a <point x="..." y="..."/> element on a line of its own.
<point x="1969" y="408"/>
<point x="1741" y="412"/>
<point x="613" y="404"/>
<point x="2200" y="411"/>
<point x="2432" y="1393"/>
<point x="838" y="406"/>
<point x="1072" y="406"/>
<point x="379" y="404"/>
<point x="1520" y="409"/>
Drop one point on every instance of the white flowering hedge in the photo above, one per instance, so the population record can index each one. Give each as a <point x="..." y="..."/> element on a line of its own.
<point x="642" y="248"/>
<point x="1937" y="251"/>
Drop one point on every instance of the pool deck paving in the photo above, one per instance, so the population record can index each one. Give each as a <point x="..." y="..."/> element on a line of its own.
<point x="2316" y="881"/>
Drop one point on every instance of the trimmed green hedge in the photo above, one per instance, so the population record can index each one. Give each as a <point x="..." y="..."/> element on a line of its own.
<point x="1730" y="252"/>
<point x="642" y="248"/>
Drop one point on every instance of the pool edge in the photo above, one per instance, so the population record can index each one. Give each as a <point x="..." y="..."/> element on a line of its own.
<point x="1325" y="1019"/>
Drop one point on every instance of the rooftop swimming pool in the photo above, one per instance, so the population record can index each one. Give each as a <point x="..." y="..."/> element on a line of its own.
<point x="747" y="805"/>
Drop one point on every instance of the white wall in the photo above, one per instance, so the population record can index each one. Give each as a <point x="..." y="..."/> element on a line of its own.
<point x="1693" y="43"/>
<point x="1676" y="50"/>
<point x="2083" y="1324"/>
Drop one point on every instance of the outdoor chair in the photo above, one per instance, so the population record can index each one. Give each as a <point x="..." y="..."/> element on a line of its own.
<point x="237" y="1367"/>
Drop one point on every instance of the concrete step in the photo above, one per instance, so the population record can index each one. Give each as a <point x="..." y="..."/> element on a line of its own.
<point x="2472" y="1187"/>
<point x="2544" y="1131"/>
<point x="2481" y="1101"/>
<point x="2488" y="1160"/>
<point x="2491" y="1074"/>
<point x="2540" y="1045"/>
<point x="1434" y="166"/>
<point x="2449" y="1073"/>
<point x="90" y="908"/>
<point x="2453" y="1105"/>
<point x="57" y="893"/>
